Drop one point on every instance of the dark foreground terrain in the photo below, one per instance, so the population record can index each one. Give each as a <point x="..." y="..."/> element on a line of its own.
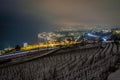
<point x="94" y="63"/>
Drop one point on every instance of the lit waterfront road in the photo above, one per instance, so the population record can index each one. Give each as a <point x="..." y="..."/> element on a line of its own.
<point x="20" y="53"/>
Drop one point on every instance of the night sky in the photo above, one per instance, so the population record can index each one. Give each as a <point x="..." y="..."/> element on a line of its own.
<point x="22" y="20"/>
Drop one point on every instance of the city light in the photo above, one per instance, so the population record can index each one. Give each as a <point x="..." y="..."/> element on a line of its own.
<point x="89" y="34"/>
<point x="64" y="38"/>
<point x="49" y="45"/>
<point x="104" y="39"/>
<point x="117" y="31"/>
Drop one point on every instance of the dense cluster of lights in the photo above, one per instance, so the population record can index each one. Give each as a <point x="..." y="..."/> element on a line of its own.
<point x="117" y="31"/>
<point x="9" y="49"/>
<point x="56" y="39"/>
<point x="49" y="45"/>
<point x="92" y="35"/>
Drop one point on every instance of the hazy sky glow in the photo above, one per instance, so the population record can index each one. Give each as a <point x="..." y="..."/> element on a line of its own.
<point x="79" y="11"/>
<point x="22" y="20"/>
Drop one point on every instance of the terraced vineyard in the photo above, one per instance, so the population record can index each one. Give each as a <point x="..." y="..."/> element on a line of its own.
<point x="94" y="63"/>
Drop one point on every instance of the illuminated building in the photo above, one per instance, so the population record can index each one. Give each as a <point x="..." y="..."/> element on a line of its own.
<point x="25" y="44"/>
